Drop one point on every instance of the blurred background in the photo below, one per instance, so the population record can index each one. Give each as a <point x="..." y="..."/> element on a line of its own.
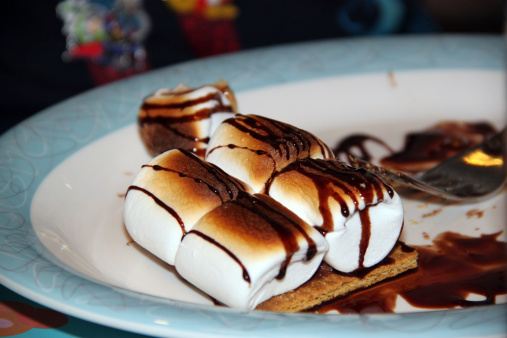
<point x="52" y="50"/>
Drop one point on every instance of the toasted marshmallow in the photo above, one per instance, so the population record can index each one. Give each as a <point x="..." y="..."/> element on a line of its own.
<point x="248" y="250"/>
<point x="184" y="117"/>
<point x="252" y="148"/>
<point x="169" y="195"/>
<point x="360" y="215"/>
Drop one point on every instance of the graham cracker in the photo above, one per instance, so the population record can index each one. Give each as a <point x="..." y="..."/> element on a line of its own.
<point x="328" y="284"/>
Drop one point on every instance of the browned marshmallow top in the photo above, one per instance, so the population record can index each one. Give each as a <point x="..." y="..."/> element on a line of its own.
<point x="185" y="186"/>
<point x="263" y="146"/>
<point x="172" y="118"/>
<point x="256" y="226"/>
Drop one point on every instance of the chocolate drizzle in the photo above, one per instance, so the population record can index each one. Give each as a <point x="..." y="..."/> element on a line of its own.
<point x="283" y="142"/>
<point x="342" y="183"/>
<point x="260" y="216"/>
<point x="282" y="224"/>
<point x="246" y="276"/>
<point x="344" y="148"/>
<point x="169" y="112"/>
<point x="222" y="185"/>
<point x="364" y="215"/>
<point x="161" y="204"/>
<point x="219" y="177"/>
<point x="167" y="120"/>
<point x="334" y="179"/>
<point x="285" y="139"/>
<point x="186" y="103"/>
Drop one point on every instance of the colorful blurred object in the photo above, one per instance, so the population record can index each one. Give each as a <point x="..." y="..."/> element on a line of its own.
<point x="208" y="25"/>
<point x="108" y="34"/>
<point x="17" y="317"/>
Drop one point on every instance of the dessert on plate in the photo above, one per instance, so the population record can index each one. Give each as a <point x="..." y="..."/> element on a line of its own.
<point x="426" y="148"/>
<point x="267" y="218"/>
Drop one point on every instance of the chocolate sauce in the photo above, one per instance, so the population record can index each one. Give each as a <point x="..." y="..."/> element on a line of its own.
<point x="178" y="130"/>
<point x="364" y="215"/>
<point x="451" y="269"/>
<point x="215" y="179"/>
<point x="216" y="97"/>
<point x="344" y="148"/>
<point x="357" y="184"/>
<point x="169" y="119"/>
<point x="161" y="204"/>
<point x="219" y="175"/>
<point x="246" y="276"/>
<point x="282" y="224"/>
<point x="423" y="149"/>
<point x="272" y="215"/>
<point x="286" y="141"/>
<point x="208" y="174"/>
<point x="173" y="123"/>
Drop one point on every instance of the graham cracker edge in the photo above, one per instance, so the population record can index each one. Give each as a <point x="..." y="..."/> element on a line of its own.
<point x="328" y="285"/>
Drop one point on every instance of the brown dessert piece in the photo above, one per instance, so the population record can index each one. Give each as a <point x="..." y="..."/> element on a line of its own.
<point x="425" y="149"/>
<point x="328" y="284"/>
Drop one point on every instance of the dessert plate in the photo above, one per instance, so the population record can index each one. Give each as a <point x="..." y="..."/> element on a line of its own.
<point x="64" y="172"/>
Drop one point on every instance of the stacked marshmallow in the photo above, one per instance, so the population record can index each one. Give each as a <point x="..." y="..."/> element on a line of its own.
<point x="257" y="217"/>
<point x="169" y="195"/>
<point x="184" y="117"/>
<point x="249" y="250"/>
<point x="253" y="148"/>
<point x="360" y="216"/>
<point x="239" y="248"/>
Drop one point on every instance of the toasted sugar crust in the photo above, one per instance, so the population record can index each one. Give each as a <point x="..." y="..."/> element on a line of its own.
<point x="326" y="284"/>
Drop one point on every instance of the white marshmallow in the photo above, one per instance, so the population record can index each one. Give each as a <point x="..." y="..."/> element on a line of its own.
<point x="235" y="252"/>
<point x="160" y="205"/>
<point x="349" y="205"/>
<point x="252" y="148"/>
<point x="184" y="117"/>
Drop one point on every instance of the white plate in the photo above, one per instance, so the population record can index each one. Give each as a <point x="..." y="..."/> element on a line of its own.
<point x="64" y="171"/>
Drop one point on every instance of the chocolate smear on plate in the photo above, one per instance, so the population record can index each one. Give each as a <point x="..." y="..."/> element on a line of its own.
<point x="449" y="271"/>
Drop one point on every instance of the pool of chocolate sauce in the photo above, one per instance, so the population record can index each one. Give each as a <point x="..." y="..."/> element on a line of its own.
<point x="450" y="270"/>
<point x="455" y="266"/>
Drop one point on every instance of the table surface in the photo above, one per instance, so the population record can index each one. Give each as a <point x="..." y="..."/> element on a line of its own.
<point x="21" y="317"/>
